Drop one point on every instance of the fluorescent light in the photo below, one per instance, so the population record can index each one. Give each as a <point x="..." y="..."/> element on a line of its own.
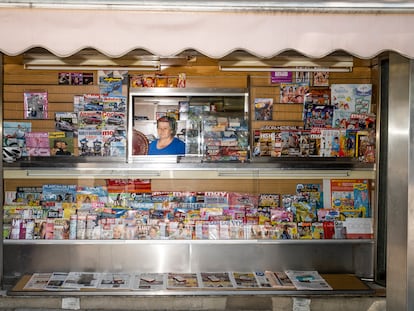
<point x="80" y="68"/>
<point x="284" y="69"/>
<point x="285" y="63"/>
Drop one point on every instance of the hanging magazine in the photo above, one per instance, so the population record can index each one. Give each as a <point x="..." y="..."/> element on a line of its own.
<point x="35" y="105"/>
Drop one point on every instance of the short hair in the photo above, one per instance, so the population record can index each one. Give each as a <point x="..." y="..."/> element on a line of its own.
<point x="172" y="122"/>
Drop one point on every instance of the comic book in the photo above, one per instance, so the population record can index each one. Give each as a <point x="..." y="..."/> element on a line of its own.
<point x="35" y="105"/>
<point x="61" y="143"/>
<point x="217" y="280"/>
<point x="263" y="109"/>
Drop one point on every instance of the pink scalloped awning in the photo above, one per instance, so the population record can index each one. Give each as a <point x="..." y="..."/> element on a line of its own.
<point x="215" y="34"/>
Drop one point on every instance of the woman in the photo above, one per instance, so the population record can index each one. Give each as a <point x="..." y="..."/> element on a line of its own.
<point x="167" y="143"/>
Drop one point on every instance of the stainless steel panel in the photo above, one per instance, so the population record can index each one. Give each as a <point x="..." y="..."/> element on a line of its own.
<point x="187" y="256"/>
<point x="400" y="226"/>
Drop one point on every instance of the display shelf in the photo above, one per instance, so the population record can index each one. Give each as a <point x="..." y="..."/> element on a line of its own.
<point x="189" y="242"/>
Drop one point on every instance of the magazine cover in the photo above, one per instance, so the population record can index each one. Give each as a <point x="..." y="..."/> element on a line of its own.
<point x="216" y="280"/>
<point x="35" y="105"/>
<point x="149" y="281"/>
<point x="293" y="92"/>
<point x="66" y="122"/>
<point x="343" y="197"/>
<point x="110" y="82"/>
<point x="59" y="192"/>
<point x="90" y="119"/>
<point x="14" y="134"/>
<point x="37" y="144"/>
<point x="263" y="109"/>
<point x="352" y="97"/>
<point x="114" y="103"/>
<point x="90" y="142"/>
<point x="87" y="102"/>
<point x="61" y="143"/>
<point x="316" y="115"/>
<point x="321" y="78"/>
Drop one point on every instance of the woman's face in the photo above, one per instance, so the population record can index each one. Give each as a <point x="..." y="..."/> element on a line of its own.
<point x="164" y="130"/>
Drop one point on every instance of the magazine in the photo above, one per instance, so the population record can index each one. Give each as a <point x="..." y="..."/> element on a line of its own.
<point x="59" y="192"/>
<point x="263" y="109"/>
<point x="307" y="280"/>
<point x="293" y="92"/>
<point x="14" y="134"/>
<point x="37" y="144"/>
<point x="90" y="142"/>
<point x="61" y="143"/>
<point x="149" y="281"/>
<point x="66" y="122"/>
<point x="35" y="105"/>
<point x="352" y="97"/>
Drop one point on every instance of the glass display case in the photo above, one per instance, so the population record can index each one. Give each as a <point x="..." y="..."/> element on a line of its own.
<point x="213" y="123"/>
